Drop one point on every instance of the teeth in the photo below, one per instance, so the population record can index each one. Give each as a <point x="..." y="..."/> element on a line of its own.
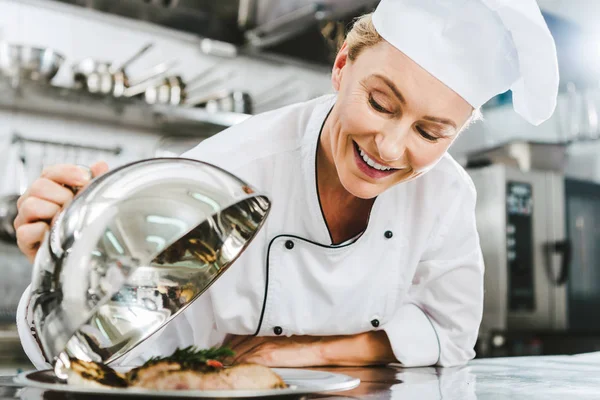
<point x="372" y="163"/>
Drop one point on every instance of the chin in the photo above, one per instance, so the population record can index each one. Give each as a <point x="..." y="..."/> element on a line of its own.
<point x="361" y="188"/>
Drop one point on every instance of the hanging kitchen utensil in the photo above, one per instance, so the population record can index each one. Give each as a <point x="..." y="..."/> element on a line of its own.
<point x="156" y="72"/>
<point x="105" y="77"/>
<point x="193" y="87"/>
<point x="170" y="91"/>
<point x="131" y="59"/>
<point x="155" y="76"/>
<point x="223" y="101"/>
<point x="235" y="102"/>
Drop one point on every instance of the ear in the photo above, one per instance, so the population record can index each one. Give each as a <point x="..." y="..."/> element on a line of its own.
<point x="341" y="60"/>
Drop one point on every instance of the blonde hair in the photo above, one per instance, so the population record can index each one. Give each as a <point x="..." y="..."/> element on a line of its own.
<point x="362" y="35"/>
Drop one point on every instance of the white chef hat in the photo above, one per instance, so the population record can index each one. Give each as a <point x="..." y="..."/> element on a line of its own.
<point x="478" y="48"/>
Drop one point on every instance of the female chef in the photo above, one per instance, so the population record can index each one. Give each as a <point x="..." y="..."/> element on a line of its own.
<point x="370" y="254"/>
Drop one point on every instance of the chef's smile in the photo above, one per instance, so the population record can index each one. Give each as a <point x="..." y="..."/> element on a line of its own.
<point x="370" y="166"/>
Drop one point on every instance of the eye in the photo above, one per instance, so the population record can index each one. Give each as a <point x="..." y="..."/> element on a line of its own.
<point x="425" y="135"/>
<point x="378" y="107"/>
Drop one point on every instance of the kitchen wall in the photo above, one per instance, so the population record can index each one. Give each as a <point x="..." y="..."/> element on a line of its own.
<point x="78" y="33"/>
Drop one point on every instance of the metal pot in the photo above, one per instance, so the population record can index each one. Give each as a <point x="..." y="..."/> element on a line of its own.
<point x="171" y="91"/>
<point x="26" y="62"/>
<point x="133" y="250"/>
<point x="104" y="77"/>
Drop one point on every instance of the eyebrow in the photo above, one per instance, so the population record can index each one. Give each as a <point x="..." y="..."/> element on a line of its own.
<point x="392" y="87"/>
<point x="402" y="100"/>
<point x="440" y="121"/>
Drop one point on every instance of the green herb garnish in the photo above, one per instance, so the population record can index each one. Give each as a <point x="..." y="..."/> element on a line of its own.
<point x="191" y="357"/>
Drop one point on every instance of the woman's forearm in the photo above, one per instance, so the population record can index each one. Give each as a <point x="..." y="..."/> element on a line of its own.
<point x="371" y="348"/>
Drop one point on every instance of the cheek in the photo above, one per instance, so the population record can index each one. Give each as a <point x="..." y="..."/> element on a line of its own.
<point x="423" y="154"/>
<point x="356" y="119"/>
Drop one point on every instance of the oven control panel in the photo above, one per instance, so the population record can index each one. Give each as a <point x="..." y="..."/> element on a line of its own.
<point x="519" y="246"/>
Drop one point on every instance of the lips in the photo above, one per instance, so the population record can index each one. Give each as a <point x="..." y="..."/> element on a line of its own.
<point x="368" y="170"/>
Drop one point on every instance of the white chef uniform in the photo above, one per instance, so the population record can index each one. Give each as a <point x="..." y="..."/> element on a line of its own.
<point x="417" y="271"/>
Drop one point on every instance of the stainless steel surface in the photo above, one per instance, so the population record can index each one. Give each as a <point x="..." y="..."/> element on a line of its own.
<point x="285" y="26"/>
<point x="21" y="61"/>
<point x="272" y="21"/>
<point x="133" y="250"/>
<point x="583" y="221"/>
<point x="9" y="381"/>
<point x="12" y="356"/>
<point x="301" y="381"/>
<point x="531" y="378"/>
<point x="549" y="310"/>
<point x="525" y="155"/>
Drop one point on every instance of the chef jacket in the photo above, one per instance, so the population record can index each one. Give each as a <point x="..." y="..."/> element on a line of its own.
<point x="416" y="272"/>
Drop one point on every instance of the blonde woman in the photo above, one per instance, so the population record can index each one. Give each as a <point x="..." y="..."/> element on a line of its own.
<point x="370" y="254"/>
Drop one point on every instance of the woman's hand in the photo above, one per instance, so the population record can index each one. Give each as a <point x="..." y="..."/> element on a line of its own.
<point x="294" y="351"/>
<point x="44" y="199"/>
<point x="371" y="348"/>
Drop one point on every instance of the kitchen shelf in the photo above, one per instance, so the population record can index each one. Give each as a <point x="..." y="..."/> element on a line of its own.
<point x="130" y="113"/>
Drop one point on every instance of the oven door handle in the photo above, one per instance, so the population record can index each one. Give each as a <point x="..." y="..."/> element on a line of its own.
<point x="565" y="249"/>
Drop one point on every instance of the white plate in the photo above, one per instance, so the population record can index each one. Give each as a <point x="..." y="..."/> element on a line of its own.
<point x="301" y="381"/>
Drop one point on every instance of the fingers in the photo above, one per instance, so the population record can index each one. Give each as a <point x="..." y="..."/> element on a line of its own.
<point x="34" y="209"/>
<point x="29" y="237"/>
<point x="46" y="189"/>
<point x="44" y="199"/>
<point x="99" y="168"/>
<point x="66" y="174"/>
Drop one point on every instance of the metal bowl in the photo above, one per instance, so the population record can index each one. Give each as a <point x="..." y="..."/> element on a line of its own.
<point x="133" y="250"/>
<point x="20" y="61"/>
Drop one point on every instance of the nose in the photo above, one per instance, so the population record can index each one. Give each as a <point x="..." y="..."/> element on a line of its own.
<point x="391" y="145"/>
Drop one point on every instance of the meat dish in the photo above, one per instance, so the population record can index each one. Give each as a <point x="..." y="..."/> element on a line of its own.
<point x="185" y="369"/>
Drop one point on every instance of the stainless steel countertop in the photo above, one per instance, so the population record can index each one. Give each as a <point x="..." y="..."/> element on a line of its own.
<point x="564" y="378"/>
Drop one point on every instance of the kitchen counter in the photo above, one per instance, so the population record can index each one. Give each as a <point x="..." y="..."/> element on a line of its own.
<point x="562" y="377"/>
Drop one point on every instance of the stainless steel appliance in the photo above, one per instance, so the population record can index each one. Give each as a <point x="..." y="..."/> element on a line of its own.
<point x="521" y="223"/>
<point x="583" y="228"/>
<point x="538" y="234"/>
